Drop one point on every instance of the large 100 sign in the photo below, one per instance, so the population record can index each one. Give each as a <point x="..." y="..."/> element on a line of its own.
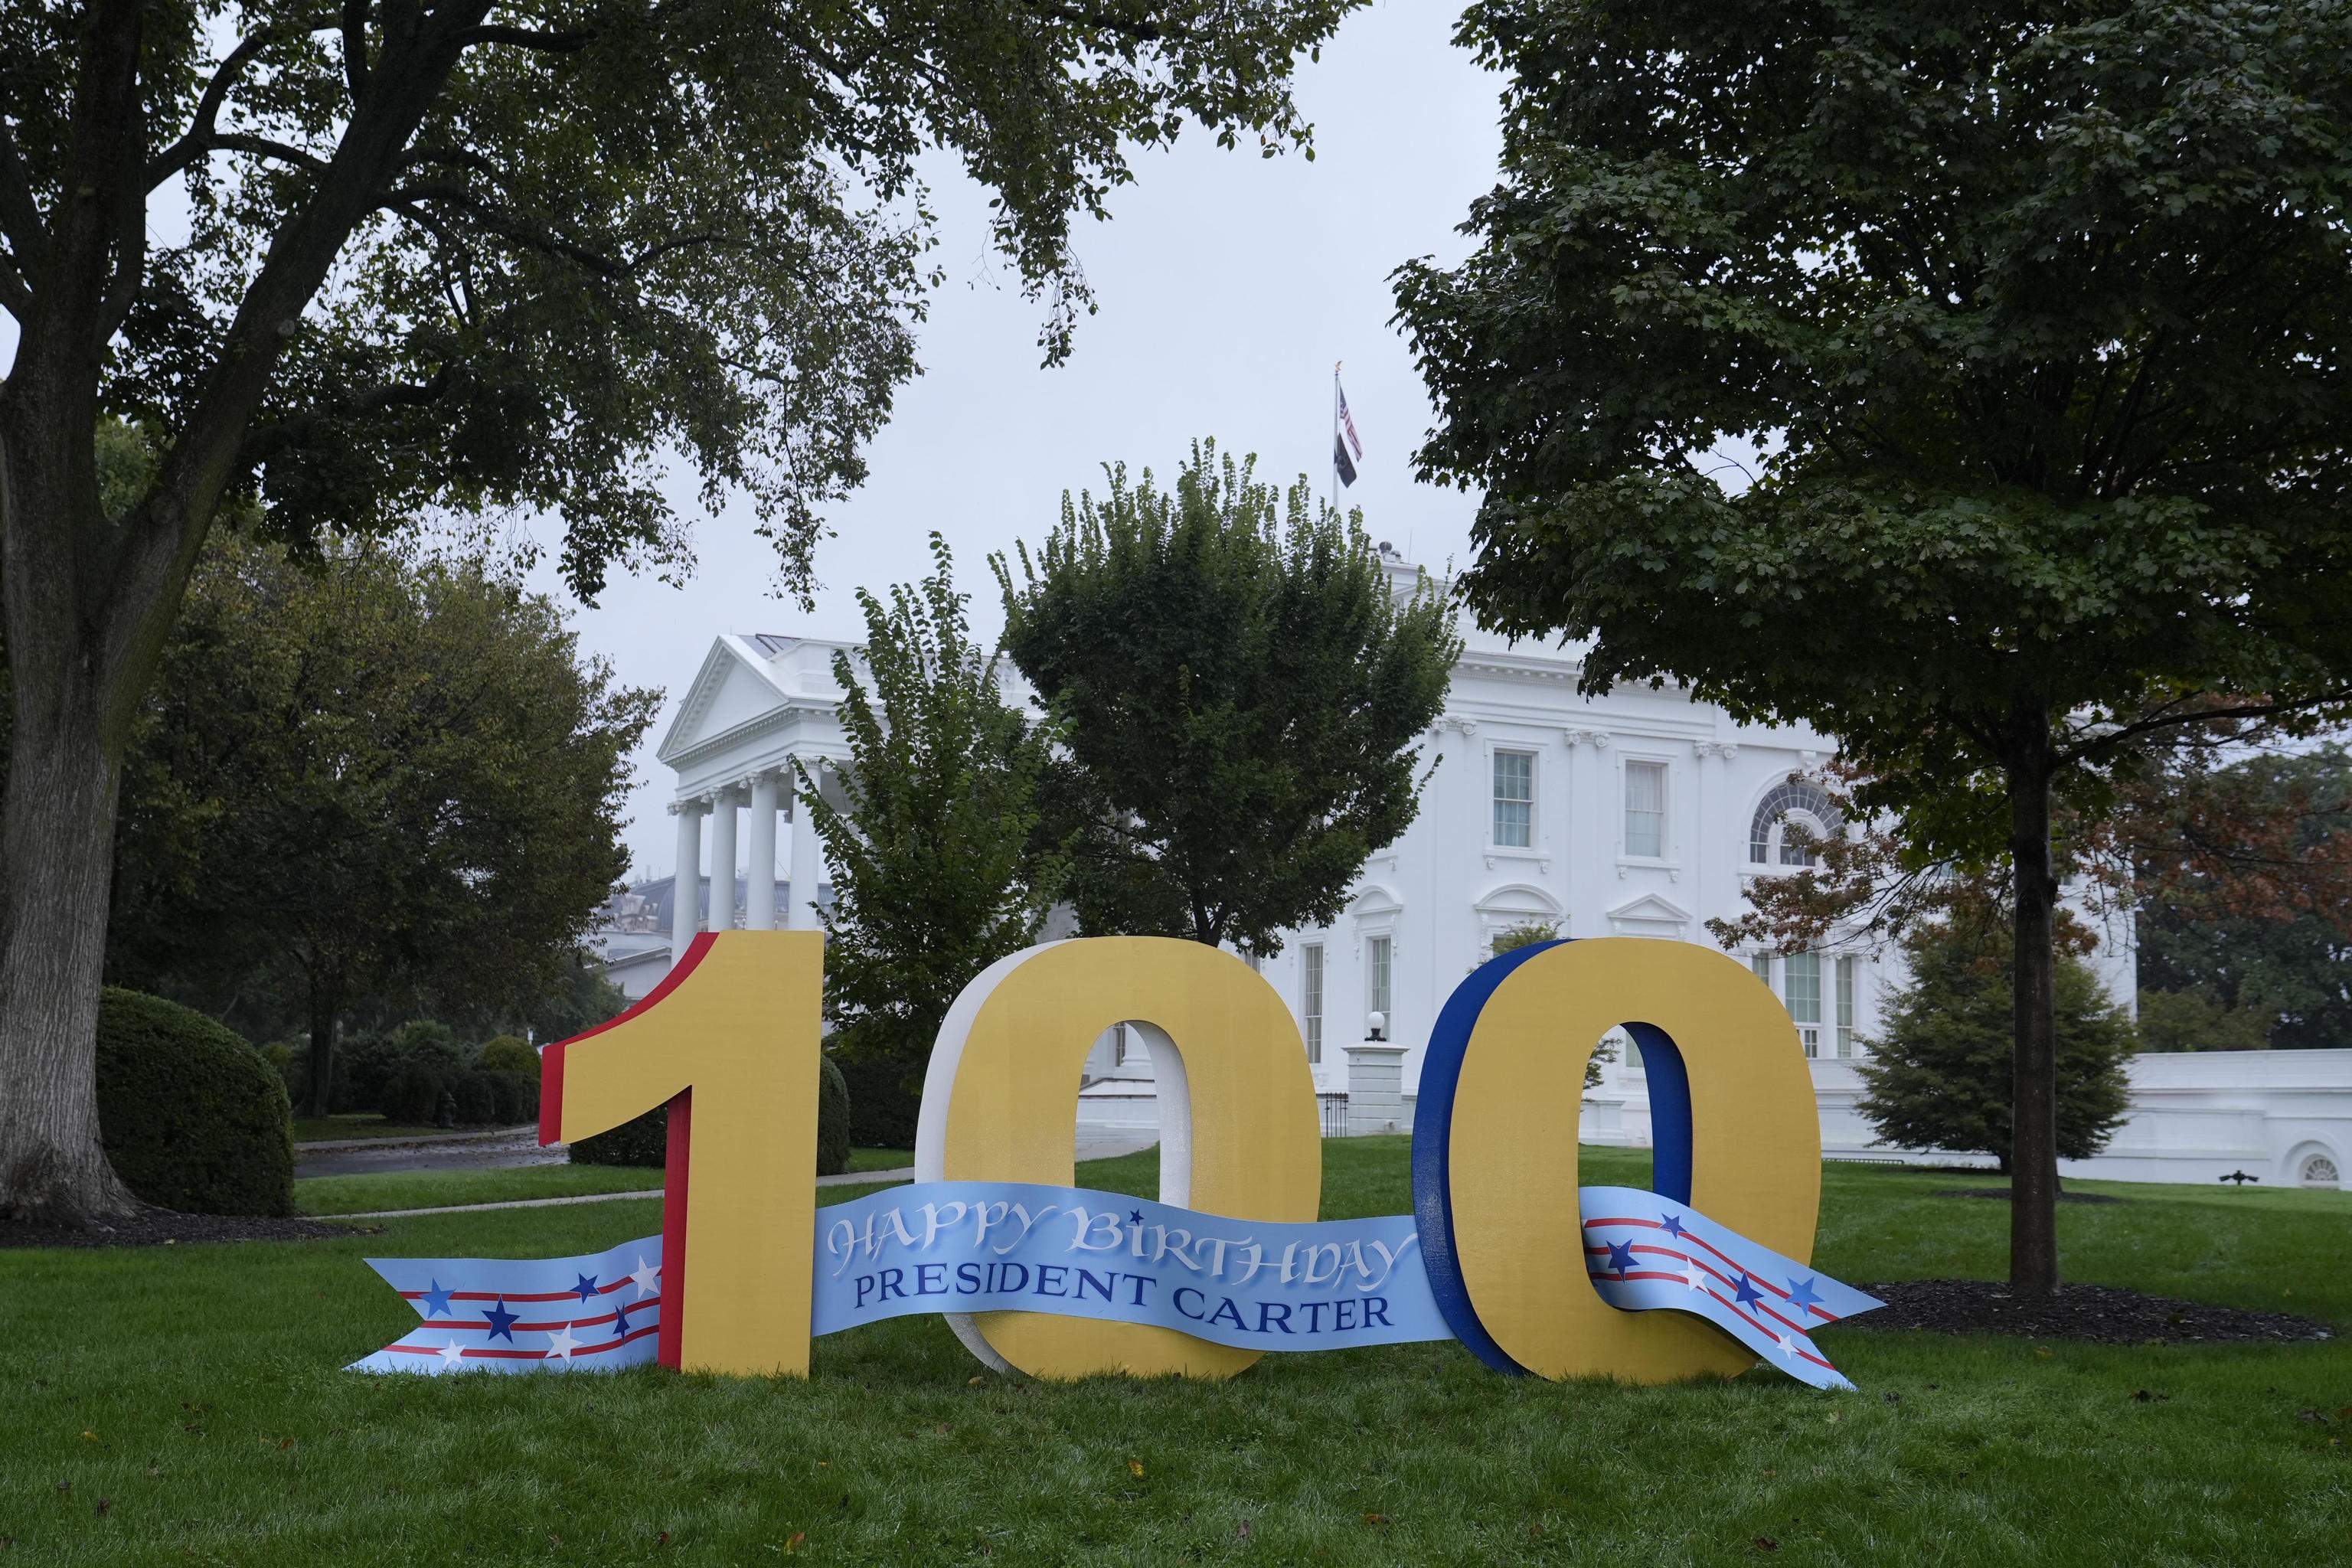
<point x="1703" y="1274"/>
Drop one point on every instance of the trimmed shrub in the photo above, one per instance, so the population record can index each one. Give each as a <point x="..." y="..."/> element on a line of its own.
<point x="510" y="1053"/>
<point x="640" y="1141"/>
<point x="192" y="1117"/>
<point x="645" y="1140"/>
<point x="832" y="1119"/>
<point x="517" y="1096"/>
<point x="412" y="1097"/>
<point x="475" y="1097"/>
<point x="885" y="1083"/>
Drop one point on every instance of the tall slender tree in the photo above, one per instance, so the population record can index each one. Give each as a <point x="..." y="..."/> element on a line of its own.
<point x="937" y="870"/>
<point x="478" y="255"/>
<point x="2042" y="312"/>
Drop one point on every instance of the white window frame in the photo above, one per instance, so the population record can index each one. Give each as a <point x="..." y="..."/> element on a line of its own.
<point x="1376" y="943"/>
<point x="1808" y="1030"/>
<point x="1849" y="983"/>
<point x="1495" y="756"/>
<point x="1314" y="984"/>
<point x="1627" y="761"/>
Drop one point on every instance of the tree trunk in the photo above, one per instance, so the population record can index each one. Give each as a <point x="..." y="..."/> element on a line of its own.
<point x="323" y="1010"/>
<point x="56" y="859"/>
<point x="2033" y="1115"/>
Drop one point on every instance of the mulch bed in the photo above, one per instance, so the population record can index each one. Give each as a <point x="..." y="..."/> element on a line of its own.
<point x="161" y="1227"/>
<point x="2003" y="1194"/>
<point x="2100" y="1314"/>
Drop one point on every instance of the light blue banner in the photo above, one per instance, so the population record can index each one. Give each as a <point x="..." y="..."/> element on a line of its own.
<point x="493" y="1314"/>
<point x="990" y="1247"/>
<point x="1647" y="1254"/>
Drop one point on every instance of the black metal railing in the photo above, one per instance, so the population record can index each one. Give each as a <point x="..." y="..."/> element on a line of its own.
<point x="1334" y="1106"/>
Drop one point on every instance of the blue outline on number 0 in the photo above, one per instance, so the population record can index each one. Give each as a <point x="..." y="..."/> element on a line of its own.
<point x="1433" y="1139"/>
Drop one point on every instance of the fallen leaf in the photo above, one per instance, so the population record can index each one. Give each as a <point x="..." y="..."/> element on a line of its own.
<point x="2042" y="1353"/>
<point x="105" y="1506"/>
<point x="1891" y="1398"/>
<point x="1831" y="1417"/>
<point x="1135" y="1466"/>
<point x="794" y="1544"/>
<point x="154" y="1470"/>
<point x="7" y="1543"/>
<point x="2314" y="1416"/>
<point x="285" y="1443"/>
<point x="1243" y="1530"/>
<point x="553" y="1539"/>
<point x="1378" y="1520"/>
<point x="2345" y="1413"/>
<point x="975" y="1383"/>
<point x="662" y="1539"/>
<point x="1766" y="1544"/>
<point x="941" y="1427"/>
<point x="89" y="1436"/>
<point x="64" y="1486"/>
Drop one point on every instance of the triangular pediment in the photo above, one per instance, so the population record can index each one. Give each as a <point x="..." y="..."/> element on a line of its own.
<point x="1649" y="915"/>
<point x="734" y="686"/>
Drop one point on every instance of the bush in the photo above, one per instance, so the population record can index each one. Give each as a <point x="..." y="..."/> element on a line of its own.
<point x="475" y="1097"/>
<point x="517" y="1095"/>
<point x="645" y="1140"/>
<point x="1942" y="1077"/>
<point x="193" y="1117"/>
<point x="832" y="1119"/>
<point x="886" y="1084"/>
<point x="508" y="1053"/>
<point x="412" y="1097"/>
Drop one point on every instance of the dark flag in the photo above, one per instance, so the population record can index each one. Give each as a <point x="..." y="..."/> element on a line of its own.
<point x="1339" y="463"/>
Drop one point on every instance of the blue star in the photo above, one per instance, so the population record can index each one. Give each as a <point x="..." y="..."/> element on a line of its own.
<point x="620" y="1318"/>
<point x="1621" y="1255"/>
<point x="1672" y="1226"/>
<point x="1800" y="1292"/>
<point x="586" y="1287"/>
<point x="1744" y="1292"/>
<point x="436" y="1299"/>
<point x="501" y="1321"/>
<point x="1135" y="1217"/>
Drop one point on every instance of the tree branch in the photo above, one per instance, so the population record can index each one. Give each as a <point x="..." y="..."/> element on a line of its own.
<point x="265" y="441"/>
<point x="197" y="139"/>
<point x="20" y="214"/>
<point x="15" y="297"/>
<point x="2174" y="717"/>
<point x="356" y="60"/>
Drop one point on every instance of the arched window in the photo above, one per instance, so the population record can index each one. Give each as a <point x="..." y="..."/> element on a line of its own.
<point x="2319" y="1170"/>
<point x="1769" y="840"/>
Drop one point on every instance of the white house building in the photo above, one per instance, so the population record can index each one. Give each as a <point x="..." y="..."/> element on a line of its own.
<point x="1641" y="813"/>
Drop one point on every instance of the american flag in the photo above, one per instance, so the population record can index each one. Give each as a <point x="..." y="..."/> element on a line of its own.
<point x="1348" y="424"/>
<point x="561" y="1314"/>
<point x="1645" y="1252"/>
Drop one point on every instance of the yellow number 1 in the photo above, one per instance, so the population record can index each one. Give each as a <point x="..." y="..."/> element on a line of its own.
<point x="729" y="1041"/>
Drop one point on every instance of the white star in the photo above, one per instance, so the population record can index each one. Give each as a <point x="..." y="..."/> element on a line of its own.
<point x="562" y="1344"/>
<point x="648" y="1281"/>
<point x="1787" y="1344"/>
<point x="1693" y="1276"/>
<point x="450" y="1354"/>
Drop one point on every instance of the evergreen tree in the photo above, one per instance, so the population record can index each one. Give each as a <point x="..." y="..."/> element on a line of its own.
<point x="1940" y="1078"/>
<point x="934" y="874"/>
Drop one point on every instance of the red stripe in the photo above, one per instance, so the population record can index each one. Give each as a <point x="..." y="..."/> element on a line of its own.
<point x="674" y="1238"/>
<point x="551" y="1060"/>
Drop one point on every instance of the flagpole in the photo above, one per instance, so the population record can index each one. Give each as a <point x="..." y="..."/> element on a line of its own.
<point x="1335" y="436"/>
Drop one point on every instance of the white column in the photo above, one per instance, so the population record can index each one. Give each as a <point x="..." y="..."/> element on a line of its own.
<point x="760" y="857"/>
<point x="684" y="912"/>
<point x="806" y="857"/>
<point x="722" y="861"/>
<point x="1376" y="1088"/>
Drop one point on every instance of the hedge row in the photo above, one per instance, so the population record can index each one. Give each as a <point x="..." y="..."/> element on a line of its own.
<point x="645" y="1140"/>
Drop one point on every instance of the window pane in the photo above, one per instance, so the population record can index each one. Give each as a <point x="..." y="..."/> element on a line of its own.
<point x="1514" y="795"/>
<point x="1801" y="983"/>
<point x="1797" y="837"/>
<point x="1846" y="968"/>
<point x="1645" y="809"/>
<point x="1379" y="982"/>
<point x="1314" y="1003"/>
<point x="1761" y="963"/>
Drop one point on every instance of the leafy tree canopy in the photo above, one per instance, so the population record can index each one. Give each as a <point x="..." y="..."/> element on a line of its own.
<point x="2042" y="312"/>
<point x="370" y="779"/>
<point x="1239" y="692"/>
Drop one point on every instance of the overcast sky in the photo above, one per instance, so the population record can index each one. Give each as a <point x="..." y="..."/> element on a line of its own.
<point x="1227" y="285"/>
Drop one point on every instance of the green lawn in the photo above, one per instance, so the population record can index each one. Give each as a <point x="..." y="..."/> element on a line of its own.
<point x="182" y="1404"/>
<point x="880" y="1159"/>
<point x="434" y="1189"/>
